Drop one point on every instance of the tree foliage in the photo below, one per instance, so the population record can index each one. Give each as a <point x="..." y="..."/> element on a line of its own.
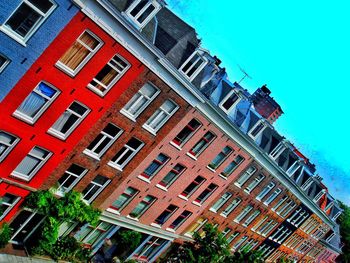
<point x="5" y="235"/>
<point x="344" y="222"/>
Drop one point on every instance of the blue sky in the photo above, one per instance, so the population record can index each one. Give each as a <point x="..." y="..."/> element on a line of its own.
<point x="301" y="50"/>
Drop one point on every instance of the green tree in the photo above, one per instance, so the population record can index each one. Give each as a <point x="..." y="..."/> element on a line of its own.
<point x="245" y="256"/>
<point x="344" y="222"/>
<point x="5" y="235"/>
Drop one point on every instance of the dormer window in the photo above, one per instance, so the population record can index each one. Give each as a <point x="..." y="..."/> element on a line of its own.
<point x="277" y="151"/>
<point x="329" y="206"/>
<point x="193" y="65"/>
<point x="142" y="11"/>
<point x="307" y="184"/>
<point x="319" y="195"/>
<point x="295" y="166"/>
<point x="257" y="129"/>
<point x="230" y="101"/>
<point x="336" y="215"/>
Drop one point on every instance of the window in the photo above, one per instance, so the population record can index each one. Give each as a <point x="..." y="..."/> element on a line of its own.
<point x="91" y="236"/>
<point x="245" y="176"/>
<point x="193" y="65"/>
<point x="103" y="141"/>
<point x="155" y="166"/>
<point x="234" y="203"/>
<point x="142" y="11"/>
<point x="206" y="193"/>
<point x="186" y="133"/>
<point x="277" y="151"/>
<point x="267" y="227"/>
<point x="257" y="129"/>
<point x="245" y="212"/>
<point x="149" y="249"/>
<point x="180" y="219"/>
<point x="142" y="206"/>
<point x="160" y="116"/>
<point x="232" y="237"/>
<point x="294" y="168"/>
<point x="239" y="243"/>
<point x="251" y="218"/>
<point x="124" y="199"/>
<point x="140" y="101"/>
<point x="166" y="214"/>
<point x="7" y="202"/>
<point x="4" y="61"/>
<point x="273" y="196"/>
<point x="257" y="180"/>
<point x="202" y="144"/>
<point x="27" y="18"/>
<point x="36" y="103"/>
<point x="7" y="142"/>
<point x="192" y="187"/>
<point x="196" y="227"/>
<point x="69" y="120"/>
<point x="124" y="156"/>
<point x="229" y="102"/>
<point x="109" y="75"/>
<point x="70" y="178"/>
<point x="31" y="164"/>
<point x="232" y="166"/>
<point x="226" y="231"/>
<point x="265" y="191"/>
<point x="218" y="204"/>
<point x="221" y="157"/>
<point x="172" y="176"/>
<point x="79" y="53"/>
<point x="279" y="203"/>
<point x="286" y="209"/>
<point x="95" y="188"/>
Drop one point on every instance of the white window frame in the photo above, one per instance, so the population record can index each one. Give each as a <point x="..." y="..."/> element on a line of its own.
<point x="219" y="203"/>
<point x="243" y="214"/>
<point x="257" y="124"/>
<point x="232" y="237"/>
<point x="161" y="185"/>
<point x="100" y="186"/>
<point x="8" y="145"/>
<point x="134" y="20"/>
<point x="38" y="166"/>
<point x="253" y="184"/>
<point x="251" y="218"/>
<point x="294" y="167"/>
<point x="195" y="73"/>
<point x="273" y="196"/>
<point x="140" y="95"/>
<point x="22" y="40"/>
<point x="151" y="124"/>
<point x="148" y="203"/>
<point x="227" y="97"/>
<point x="277" y="151"/>
<point x="245" y="176"/>
<point x="4" y="65"/>
<point x="194" y="189"/>
<point x="182" y="217"/>
<point x="228" y="210"/>
<point x="336" y="216"/>
<point x="105" y="135"/>
<point x="10" y="206"/>
<point x="319" y="195"/>
<point x="189" y="135"/>
<point x="73" y="72"/>
<point x="61" y="191"/>
<point x="130" y="197"/>
<point x="208" y="191"/>
<point x="265" y="191"/>
<point x="31" y="120"/>
<point x="64" y="136"/>
<point x="223" y="156"/>
<point x="120" y="74"/>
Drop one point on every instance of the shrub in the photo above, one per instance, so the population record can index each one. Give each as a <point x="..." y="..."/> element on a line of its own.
<point x="5" y="235"/>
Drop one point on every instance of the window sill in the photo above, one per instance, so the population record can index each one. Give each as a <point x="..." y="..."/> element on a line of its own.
<point x="236" y="184"/>
<point x="213" y="210"/>
<point x="12" y="35"/>
<point x="20" y="177"/>
<point x="91" y="154"/>
<point x="65" y="69"/>
<point x="129" y="116"/>
<point x="211" y="169"/>
<point x="223" y="177"/>
<point x="56" y="134"/>
<point x="23" y="118"/>
<point x="191" y="156"/>
<point x="183" y="197"/>
<point x="247" y="191"/>
<point x="196" y="203"/>
<point x="175" y="145"/>
<point x="132" y="218"/>
<point x="112" y="164"/>
<point x="111" y="210"/>
<point x="162" y="187"/>
<point x="144" y="179"/>
<point x="150" y="130"/>
<point x="188" y="235"/>
<point x="156" y="225"/>
<point x="170" y="230"/>
<point x="97" y="91"/>
<point x="225" y="216"/>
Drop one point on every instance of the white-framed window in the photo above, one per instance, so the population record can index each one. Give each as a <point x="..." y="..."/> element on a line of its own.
<point x="257" y="180"/>
<point x="295" y="166"/>
<point x="245" y="176"/>
<point x="193" y="65"/>
<point x="257" y="129"/>
<point x="307" y="183"/>
<point x="336" y="215"/>
<point x="202" y="144"/>
<point x="94" y="188"/>
<point x="272" y="197"/>
<point x="166" y="214"/>
<point x="220" y="158"/>
<point x="140" y="101"/>
<point x="27" y="18"/>
<point x="91" y="236"/>
<point x="232" y="166"/>
<point x="239" y="243"/>
<point x="265" y="191"/>
<point x="226" y="231"/>
<point x="154" y="167"/>
<point x="234" y="203"/>
<point x="79" y="53"/>
<point x="186" y="133"/>
<point x="180" y="219"/>
<point x="172" y="176"/>
<point x="7" y="143"/>
<point x="219" y="203"/>
<point x="150" y="249"/>
<point x="142" y="207"/>
<point x="196" y="226"/>
<point x="36" y="102"/>
<point x="192" y="187"/>
<point x="232" y="237"/>
<point x="230" y="101"/>
<point x="31" y="164"/>
<point x="243" y="214"/>
<point x="319" y="195"/>
<point x="142" y="11"/>
<point x="103" y="141"/>
<point x="267" y="227"/>
<point x="69" y="120"/>
<point x="279" y="203"/>
<point x="286" y="208"/>
<point x="7" y="202"/>
<point x="4" y="61"/>
<point x="124" y="199"/>
<point x="160" y="116"/>
<point x="109" y="75"/>
<point x="70" y="178"/>
<point x="206" y="193"/>
<point x="277" y="151"/>
<point x="251" y="218"/>
<point x="125" y="154"/>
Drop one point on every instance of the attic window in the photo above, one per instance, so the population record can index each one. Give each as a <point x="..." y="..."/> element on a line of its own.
<point x="142" y="11"/>
<point x="257" y="129"/>
<point x="277" y="151"/>
<point x="193" y="65"/>
<point x="230" y="101"/>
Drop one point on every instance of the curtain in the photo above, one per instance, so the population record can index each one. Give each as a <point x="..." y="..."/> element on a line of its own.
<point x="32" y="104"/>
<point x="60" y="124"/>
<point x="74" y="55"/>
<point x="27" y="165"/>
<point x="105" y="77"/>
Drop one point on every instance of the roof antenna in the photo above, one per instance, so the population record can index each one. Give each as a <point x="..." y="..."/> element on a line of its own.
<point x="245" y="74"/>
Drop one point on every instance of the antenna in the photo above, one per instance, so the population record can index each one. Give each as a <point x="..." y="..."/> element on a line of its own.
<point x="245" y="74"/>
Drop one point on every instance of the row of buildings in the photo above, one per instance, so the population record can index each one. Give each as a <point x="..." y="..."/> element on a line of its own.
<point x="117" y="99"/>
